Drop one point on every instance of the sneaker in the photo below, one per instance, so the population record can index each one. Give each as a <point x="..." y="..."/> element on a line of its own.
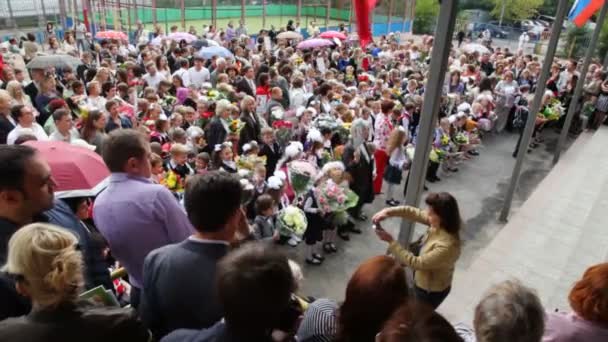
<point x="297" y="238"/>
<point x="314" y="261"/>
<point x="292" y="242"/>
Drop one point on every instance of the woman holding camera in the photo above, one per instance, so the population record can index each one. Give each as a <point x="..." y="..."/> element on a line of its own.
<point x="439" y="248"/>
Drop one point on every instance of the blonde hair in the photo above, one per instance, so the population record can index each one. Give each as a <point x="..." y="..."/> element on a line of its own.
<point x="47" y="258"/>
<point x="395" y="139"/>
<point x="179" y="149"/>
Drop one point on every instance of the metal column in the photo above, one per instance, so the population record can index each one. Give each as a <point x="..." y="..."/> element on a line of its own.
<point x="327" y="9"/>
<point x="10" y="21"/>
<point x="243" y="13"/>
<point x="579" y="85"/>
<point x="406" y="5"/>
<point x="430" y="109"/>
<point x="136" y="13"/>
<point x="154" y="17"/>
<point x="263" y="14"/>
<point x="390" y="16"/>
<point x="535" y="107"/>
<point x="62" y="15"/>
<point x="299" y="11"/>
<point x="182" y="6"/>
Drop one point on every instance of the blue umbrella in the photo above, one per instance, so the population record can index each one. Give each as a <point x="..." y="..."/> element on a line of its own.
<point x="211" y="51"/>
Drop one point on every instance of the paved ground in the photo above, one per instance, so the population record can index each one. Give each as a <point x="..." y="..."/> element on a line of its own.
<point x="479" y="187"/>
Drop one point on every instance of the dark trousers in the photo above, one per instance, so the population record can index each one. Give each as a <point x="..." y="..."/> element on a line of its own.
<point x="433" y="299"/>
<point x="135" y="297"/>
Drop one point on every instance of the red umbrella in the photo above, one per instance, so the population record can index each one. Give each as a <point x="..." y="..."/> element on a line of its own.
<point x="117" y="35"/>
<point x="78" y="171"/>
<point x="333" y="34"/>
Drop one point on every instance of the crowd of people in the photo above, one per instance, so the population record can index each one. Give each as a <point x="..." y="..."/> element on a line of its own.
<point x="215" y="159"/>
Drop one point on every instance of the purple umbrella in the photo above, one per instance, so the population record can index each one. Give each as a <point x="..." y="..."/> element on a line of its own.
<point x="179" y="36"/>
<point x="314" y="43"/>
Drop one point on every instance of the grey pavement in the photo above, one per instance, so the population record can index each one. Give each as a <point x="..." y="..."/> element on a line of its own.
<point x="479" y="187"/>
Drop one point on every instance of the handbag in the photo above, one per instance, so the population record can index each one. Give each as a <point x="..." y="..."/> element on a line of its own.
<point x="416" y="246"/>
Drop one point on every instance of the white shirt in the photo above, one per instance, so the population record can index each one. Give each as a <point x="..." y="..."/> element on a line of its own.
<point x="56" y="136"/>
<point x="184" y="74"/>
<point x="18" y="131"/>
<point x="153" y="81"/>
<point x="198" y="77"/>
<point x="98" y="102"/>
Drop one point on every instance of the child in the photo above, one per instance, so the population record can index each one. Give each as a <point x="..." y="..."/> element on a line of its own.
<point x="158" y="171"/>
<point x="223" y="158"/>
<point x="202" y="163"/>
<point x="264" y="222"/>
<point x="271" y="149"/>
<point x="332" y="173"/>
<point x="317" y="221"/>
<point x="178" y="162"/>
<point x="276" y="189"/>
<point x="259" y="188"/>
<point x="398" y="162"/>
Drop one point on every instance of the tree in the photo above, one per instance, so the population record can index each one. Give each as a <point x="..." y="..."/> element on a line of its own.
<point x="577" y="39"/>
<point x="425" y="16"/>
<point x="516" y="9"/>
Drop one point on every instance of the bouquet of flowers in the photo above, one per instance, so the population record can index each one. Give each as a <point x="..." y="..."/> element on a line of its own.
<point x="167" y="102"/>
<point x="301" y="175"/>
<point x="214" y="95"/>
<point x="553" y="111"/>
<point x="335" y="199"/>
<point x="326" y="121"/>
<point x="249" y="162"/>
<point x="437" y="155"/>
<point x="291" y="220"/>
<point x="461" y="138"/>
<point x="283" y="131"/>
<point x="173" y="182"/>
<point x="204" y="119"/>
<point x="235" y="126"/>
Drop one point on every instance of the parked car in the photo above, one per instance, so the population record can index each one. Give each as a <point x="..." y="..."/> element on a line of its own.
<point x="495" y="31"/>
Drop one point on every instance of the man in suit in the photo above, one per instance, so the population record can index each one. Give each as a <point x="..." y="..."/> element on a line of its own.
<point x="32" y="89"/>
<point x="247" y="84"/>
<point x="179" y="279"/>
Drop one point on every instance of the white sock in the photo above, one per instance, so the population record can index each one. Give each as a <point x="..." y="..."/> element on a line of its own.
<point x="389" y="191"/>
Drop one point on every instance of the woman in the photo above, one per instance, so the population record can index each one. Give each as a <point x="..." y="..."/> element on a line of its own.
<point x="162" y="67"/>
<point x="601" y="107"/>
<point x="456" y="85"/>
<point x="15" y="90"/>
<point x="506" y="91"/>
<point x="434" y="266"/>
<point x="359" y="163"/>
<point x="69" y="43"/>
<point x="376" y="289"/>
<point x="93" y="129"/>
<point x="262" y="93"/>
<point x="382" y="130"/>
<point x="589" y="302"/>
<point x="46" y="262"/>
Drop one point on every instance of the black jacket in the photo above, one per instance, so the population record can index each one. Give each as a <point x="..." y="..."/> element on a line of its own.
<point x="32" y="91"/>
<point x="5" y="128"/>
<point x="215" y="133"/>
<point x="243" y="86"/>
<point x="75" y="323"/>
<point x="361" y="173"/>
<point x="251" y="130"/>
<point x="12" y="303"/>
<point x="272" y="157"/>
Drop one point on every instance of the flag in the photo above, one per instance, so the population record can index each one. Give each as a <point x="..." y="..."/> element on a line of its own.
<point x="363" y="9"/>
<point x="582" y="10"/>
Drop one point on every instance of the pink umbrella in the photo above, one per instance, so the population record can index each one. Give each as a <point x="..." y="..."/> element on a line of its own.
<point x="314" y="43"/>
<point x="117" y="35"/>
<point x="78" y="171"/>
<point x="179" y="36"/>
<point x="333" y="34"/>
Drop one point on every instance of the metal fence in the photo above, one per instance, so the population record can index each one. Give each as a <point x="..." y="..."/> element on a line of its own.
<point x="22" y="16"/>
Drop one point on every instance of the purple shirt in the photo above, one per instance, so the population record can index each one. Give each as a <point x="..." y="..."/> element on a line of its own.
<point x="562" y="327"/>
<point x="136" y="216"/>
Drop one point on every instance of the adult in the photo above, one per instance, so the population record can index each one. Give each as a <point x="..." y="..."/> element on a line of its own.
<point x="588" y="320"/>
<point x="153" y="77"/>
<point x="198" y="74"/>
<point x="251" y="130"/>
<point x="440" y="247"/>
<point x="26" y="124"/>
<point x="220" y="68"/>
<point x="218" y="128"/>
<point x="133" y="214"/>
<point x="174" y="297"/>
<point x="382" y="130"/>
<point x="46" y="262"/>
<point x="247" y="83"/>
<point x="359" y="163"/>
<point x="94" y="129"/>
<point x="116" y="120"/>
<point x="64" y="124"/>
<point x="33" y="88"/>
<point x="275" y="110"/>
<point x="374" y="291"/>
<point x="523" y="40"/>
<point x="254" y="287"/>
<point x="7" y="123"/>
<point x="15" y="90"/>
<point x="80" y="31"/>
<point x="30" y="48"/>
<point x="508" y="311"/>
<point x="47" y="93"/>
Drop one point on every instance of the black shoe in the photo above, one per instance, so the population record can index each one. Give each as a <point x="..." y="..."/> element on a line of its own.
<point x="453" y="169"/>
<point x="343" y="235"/>
<point x="391" y="203"/>
<point x="318" y="256"/>
<point x="327" y="248"/>
<point x="314" y="261"/>
<point x="430" y="179"/>
<point x="333" y="247"/>
<point x="426" y="188"/>
<point x="473" y="153"/>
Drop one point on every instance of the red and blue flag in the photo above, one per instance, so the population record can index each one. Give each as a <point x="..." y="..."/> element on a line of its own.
<point x="582" y="10"/>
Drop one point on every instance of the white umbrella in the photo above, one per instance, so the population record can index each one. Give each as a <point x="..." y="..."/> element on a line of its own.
<point x="289" y="35"/>
<point x="53" y="61"/>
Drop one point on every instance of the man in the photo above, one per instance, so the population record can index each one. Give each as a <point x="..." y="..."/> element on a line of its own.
<point x="179" y="279"/>
<point x="566" y="75"/>
<point x="63" y="127"/>
<point x="6" y="75"/>
<point x="254" y="285"/>
<point x="275" y="109"/>
<point x="486" y="65"/>
<point x="220" y="68"/>
<point x="80" y="29"/>
<point x="33" y="88"/>
<point x="230" y="32"/>
<point x="116" y="120"/>
<point x="198" y="74"/>
<point x="523" y="40"/>
<point x="247" y="83"/>
<point x="26" y="124"/>
<point x="134" y="215"/>
<point x="152" y="78"/>
<point x="182" y="72"/>
<point x="7" y="123"/>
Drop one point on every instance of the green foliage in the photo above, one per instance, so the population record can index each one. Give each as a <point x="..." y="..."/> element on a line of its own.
<point x="549" y="7"/>
<point x="602" y="44"/>
<point x="516" y="9"/>
<point x="425" y="16"/>
<point x="577" y="39"/>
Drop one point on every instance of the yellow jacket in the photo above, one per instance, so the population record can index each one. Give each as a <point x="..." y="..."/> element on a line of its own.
<point x="440" y="251"/>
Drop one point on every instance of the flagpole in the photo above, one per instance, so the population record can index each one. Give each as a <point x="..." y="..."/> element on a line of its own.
<point x="572" y="109"/>
<point x="534" y="107"/>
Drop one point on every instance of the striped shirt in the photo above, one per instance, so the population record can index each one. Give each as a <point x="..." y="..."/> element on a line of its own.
<point x="320" y="323"/>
